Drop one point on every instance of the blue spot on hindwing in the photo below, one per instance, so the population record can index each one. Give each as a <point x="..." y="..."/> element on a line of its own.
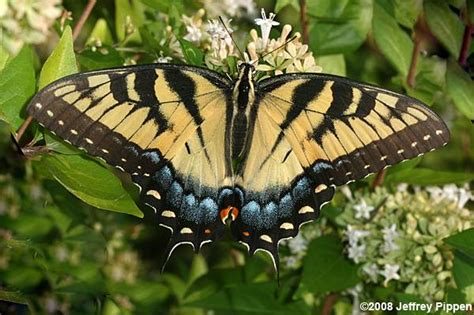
<point x="175" y="195"/>
<point x="209" y="210"/>
<point x="269" y="215"/>
<point x="163" y="177"/>
<point x="286" y="206"/>
<point x="321" y="167"/>
<point x="189" y="209"/>
<point x="250" y="213"/>
<point x="302" y="189"/>
<point x="153" y="156"/>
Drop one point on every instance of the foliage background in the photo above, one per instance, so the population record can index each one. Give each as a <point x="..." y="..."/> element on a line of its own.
<point x="60" y="253"/>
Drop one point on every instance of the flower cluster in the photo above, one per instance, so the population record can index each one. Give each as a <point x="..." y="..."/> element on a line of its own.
<point x="230" y="8"/>
<point x="271" y="55"/>
<point x="26" y="21"/>
<point x="400" y="236"/>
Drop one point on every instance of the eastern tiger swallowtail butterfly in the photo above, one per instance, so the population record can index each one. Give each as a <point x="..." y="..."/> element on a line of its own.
<point x="204" y="148"/>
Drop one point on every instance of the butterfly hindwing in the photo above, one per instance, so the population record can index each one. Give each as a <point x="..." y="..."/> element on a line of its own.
<point x="313" y="132"/>
<point x="157" y="123"/>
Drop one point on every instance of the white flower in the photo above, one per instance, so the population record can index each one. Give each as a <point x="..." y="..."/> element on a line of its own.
<point x="356" y="252"/>
<point x="163" y="59"/>
<point x="193" y="34"/>
<point x="390" y="272"/>
<point x="464" y="196"/>
<point x="353" y="236"/>
<point x="389" y="236"/>
<point x="346" y="191"/>
<point x="266" y="25"/>
<point x="363" y="210"/>
<point x="372" y="271"/>
<point x="402" y="187"/>
<point x="297" y="244"/>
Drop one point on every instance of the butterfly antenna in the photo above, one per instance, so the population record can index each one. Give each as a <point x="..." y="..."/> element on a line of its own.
<point x="231" y="37"/>
<point x="279" y="47"/>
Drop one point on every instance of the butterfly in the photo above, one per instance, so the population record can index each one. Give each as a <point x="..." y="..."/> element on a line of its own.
<point x="205" y="149"/>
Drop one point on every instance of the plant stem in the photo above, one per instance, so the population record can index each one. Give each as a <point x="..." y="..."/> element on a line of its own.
<point x="82" y="20"/>
<point x="304" y="21"/>
<point x="379" y="178"/>
<point x="414" y="60"/>
<point x="329" y="301"/>
<point x="466" y="43"/>
<point x="23" y="127"/>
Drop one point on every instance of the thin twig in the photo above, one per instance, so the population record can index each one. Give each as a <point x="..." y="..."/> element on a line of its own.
<point x="329" y="301"/>
<point x="414" y="60"/>
<point x="304" y="21"/>
<point x="82" y="20"/>
<point x="379" y="178"/>
<point x="23" y="127"/>
<point x="466" y="43"/>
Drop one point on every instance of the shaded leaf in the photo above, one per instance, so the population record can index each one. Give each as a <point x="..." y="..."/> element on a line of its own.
<point x="100" y="32"/>
<point x="61" y="62"/>
<point x="333" y="64"/>
<point x="280" y="4"/>
<point x="394" y="43"/>
<point x="100" y="58"/>
<point x="430" y="80"/>
<point x="445" y="25"/>
<point x="338" y="27"/>
<point x="407" y="12"/>
<point x="405" y="299"/>
<point x="326" y="268"/>
<point x="17" y="86"/>
<point x="91" y="182"/>
<point x="426" y="177"/>
<point x="128" y="11"/>
<point x="463" y="270"/>
<point x="252" y="298"/>
<point x="192" y="54"/>
<point x="463" y="241"/>
<point x="460" y="88"/>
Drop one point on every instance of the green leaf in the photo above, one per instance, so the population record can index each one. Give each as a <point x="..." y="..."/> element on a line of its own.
<point x="192" y="54"/>
<point x="100" y="32"/>
<point x="252" y="298"/>
<point x="407" y="12"/>
<point x="460" y="88"/>
<point x="17" y="86"/>
<point x="394" y="43"/>
<point x="128" y="11"/>
<point x="463" y="271"/>
<point x="333" y="64"/>
<point x="426" y="177"/>
<point x="405" y="299"/>
<point x="444" y="24"/>
<point x="463" y="241"/>
<point x="325" y="267"/>
<point x="61" y="62"/>
<point x="4" y="56"/>
<point x="280" y="4"/>
<point x="90" y="182"/>
<point x="338" y="26"/>
<point x="430" y="80"/>
<point x="100" y="58"/>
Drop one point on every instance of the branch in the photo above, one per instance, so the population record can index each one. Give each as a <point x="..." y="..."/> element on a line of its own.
<point x="414" y="60"/>
<point x="379" y="178"/>
<point x="82" y="20"/>
<point x="23" y="127"/>
<point x="466" y="43"/>
<point x="329" y="301"/>
<point x="304" y="21"/>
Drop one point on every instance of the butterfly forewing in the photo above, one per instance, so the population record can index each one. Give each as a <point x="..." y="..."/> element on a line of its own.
<point x="158" y="123"/>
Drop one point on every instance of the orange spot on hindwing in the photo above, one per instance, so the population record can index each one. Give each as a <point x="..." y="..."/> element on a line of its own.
<point x="229" y="211"/>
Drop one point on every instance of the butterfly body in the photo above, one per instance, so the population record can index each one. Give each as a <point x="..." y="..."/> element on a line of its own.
<point x="265" y="155"/>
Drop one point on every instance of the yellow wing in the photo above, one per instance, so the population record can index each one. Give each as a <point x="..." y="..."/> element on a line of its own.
<point x="158" y="123"/>
<point x="313" y="132"/>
